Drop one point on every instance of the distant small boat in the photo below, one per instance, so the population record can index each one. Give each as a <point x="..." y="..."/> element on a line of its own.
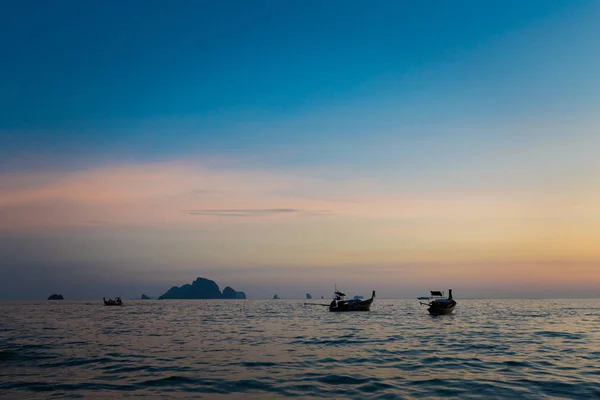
<point x="275" y="297"/>
<point x="438" y="304"/>
<point x="357" y="303"/>
<point x="308" y="296"/>
<point x="110" y="302"/>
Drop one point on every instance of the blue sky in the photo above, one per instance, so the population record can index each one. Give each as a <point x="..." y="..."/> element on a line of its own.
<point x="388" y="105"/>
<point x="76" y="76"/>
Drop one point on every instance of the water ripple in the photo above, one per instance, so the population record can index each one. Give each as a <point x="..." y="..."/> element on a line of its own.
<point x="272" y="349"/>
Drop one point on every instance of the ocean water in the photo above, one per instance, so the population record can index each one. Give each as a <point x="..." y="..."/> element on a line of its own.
<point x="271" y="349"/>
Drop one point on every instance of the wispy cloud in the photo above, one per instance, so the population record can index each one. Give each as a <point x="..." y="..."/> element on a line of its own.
<point x="162" y="194"/>
<point x="253" y="212"/>
<point x="192" y="194"/>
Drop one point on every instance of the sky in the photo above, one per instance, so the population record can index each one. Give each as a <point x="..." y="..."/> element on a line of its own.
<point x="284" y="147"/>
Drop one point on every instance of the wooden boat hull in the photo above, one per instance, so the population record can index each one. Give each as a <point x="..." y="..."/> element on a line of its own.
<point x="442" y="309"/>
<point x="346" y="306"/>
<point x="112" y="303"/>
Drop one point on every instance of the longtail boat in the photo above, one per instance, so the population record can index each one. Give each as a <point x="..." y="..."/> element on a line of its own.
<point x="438" y="304"/>
<point x="357" y="303"/>
<point x="110" y="302"/>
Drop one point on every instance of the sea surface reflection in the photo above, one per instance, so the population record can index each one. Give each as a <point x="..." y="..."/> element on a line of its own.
<point x="266" y="349"/>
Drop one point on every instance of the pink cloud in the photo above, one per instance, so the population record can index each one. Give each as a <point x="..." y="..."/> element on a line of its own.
<point x="186" y="193"/>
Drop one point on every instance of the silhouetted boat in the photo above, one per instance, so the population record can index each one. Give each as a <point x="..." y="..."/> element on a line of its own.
<point x="110" y="302"/>
<point x="357" y="303"/>
<point x="275" y="297"/>
<point x="308" y="296"/>
<point x="438" y="304"/>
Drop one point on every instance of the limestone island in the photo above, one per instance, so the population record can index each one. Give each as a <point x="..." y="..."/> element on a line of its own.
<point x="56" y="297"/>
<point x="201" y="288"/>
<point x="144" y="297"/>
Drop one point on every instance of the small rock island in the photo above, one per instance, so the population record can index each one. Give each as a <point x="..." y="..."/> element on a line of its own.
<point x="144" y="297"/>
<point x="56" y="297"/>
<point x="201" y="288"/>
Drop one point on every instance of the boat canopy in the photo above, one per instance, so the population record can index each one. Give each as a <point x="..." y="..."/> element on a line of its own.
<point x="436" y="293"/>
<point x="340" y="294"/>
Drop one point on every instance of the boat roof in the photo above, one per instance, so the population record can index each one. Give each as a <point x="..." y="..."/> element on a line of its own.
<point x="436" y="293"/>
<point x="339" y="293"/>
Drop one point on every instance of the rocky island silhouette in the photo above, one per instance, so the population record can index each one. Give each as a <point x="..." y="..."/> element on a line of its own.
<point x="202" y="288"/>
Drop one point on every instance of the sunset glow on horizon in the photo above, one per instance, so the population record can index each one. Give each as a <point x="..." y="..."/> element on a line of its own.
<point x="391" y="151"/>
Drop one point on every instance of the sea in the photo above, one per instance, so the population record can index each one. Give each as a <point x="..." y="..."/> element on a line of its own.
<point x="268" y="349"/>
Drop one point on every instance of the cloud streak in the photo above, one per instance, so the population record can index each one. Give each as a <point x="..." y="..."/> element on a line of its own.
<point x="169" y="194"/>
<point x="255" y="212"/>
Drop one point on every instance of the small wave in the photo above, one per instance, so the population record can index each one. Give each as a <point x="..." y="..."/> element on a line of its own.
<point x="7" y="355"/>
<point x="257" y="364"/>
<point x="517" y="364"/>
<point x="335" y="379"/>
<point x="564" y="389"/>
<point x="566" y="335"/>
<point x="52" y="387"/>
<point x="374" y="387"/>
<point x="249" y="386"/>
<point x="170" y="381"/>
<point x="24" y="353"/>
<point x="76" y="362"/>
<point x="338" y="342"/>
